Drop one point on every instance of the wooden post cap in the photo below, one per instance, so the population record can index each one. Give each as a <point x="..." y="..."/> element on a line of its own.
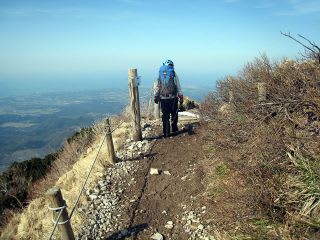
<point x="132" y="72"/>
<point x="53" y="191"/>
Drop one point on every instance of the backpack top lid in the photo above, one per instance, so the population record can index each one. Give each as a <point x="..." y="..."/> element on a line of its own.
<point x="168" y="63"/>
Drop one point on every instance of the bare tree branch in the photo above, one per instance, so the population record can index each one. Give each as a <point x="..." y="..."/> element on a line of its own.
<point x="312" y="50"/>
<point x="4" y="189"/>
<point x="305" y="46"/>
<point x="311" y="43"/>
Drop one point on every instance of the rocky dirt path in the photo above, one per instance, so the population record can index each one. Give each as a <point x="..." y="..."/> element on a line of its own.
<point x="132" y="203"/>
<point x="170" y="202"/>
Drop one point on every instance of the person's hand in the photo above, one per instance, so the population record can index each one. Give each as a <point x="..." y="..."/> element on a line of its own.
<point x="180" y="96"/>
<point x="156" y="99"/>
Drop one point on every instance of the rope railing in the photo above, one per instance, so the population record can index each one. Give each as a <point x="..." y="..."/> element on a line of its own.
<point x="56" y="223"/>
<point x="55" y="195"/>
<point x="147" y="101"/>
<point x="57" y="220"/>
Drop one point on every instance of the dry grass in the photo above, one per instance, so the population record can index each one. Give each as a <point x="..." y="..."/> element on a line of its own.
<point x="276" y="141"/>
<point x="68" y="174"/>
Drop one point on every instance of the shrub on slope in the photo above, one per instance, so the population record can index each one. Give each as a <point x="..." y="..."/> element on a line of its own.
<point x="276" y="140"/>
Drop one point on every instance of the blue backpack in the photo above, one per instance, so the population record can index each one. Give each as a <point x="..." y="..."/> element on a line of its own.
<point x="167" y="85"/>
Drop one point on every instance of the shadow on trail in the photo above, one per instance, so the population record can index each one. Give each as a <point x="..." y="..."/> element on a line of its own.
<point x="187" y="129"/>
<point x="128" y="232"/>
<point x="137" y="203"/>
<point x="138" y="158"/>
<point x="145" y="180"/>
<point x="133" y="231"/>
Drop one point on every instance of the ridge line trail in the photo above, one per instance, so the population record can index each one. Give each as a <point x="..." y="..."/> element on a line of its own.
<point x="204" y="196"/>
<point x="197" y="195"/>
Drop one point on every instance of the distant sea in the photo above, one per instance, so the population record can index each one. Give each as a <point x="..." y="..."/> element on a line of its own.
<point x="34" y="125"/>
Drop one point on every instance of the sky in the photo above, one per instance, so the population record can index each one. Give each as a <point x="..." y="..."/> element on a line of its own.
<point x="65" y="45"/>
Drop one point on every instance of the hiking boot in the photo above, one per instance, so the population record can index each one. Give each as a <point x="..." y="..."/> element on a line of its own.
<point x="166" y="135"/>
<point x="174" y="129"/>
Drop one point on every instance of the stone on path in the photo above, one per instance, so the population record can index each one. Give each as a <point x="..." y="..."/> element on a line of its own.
<point x="169" y="225"/>
<point x="200" y="227"/>
<point x="184" y="178"/>
<point x="154" y="171"/>
<point x="157" y="236"/>
<point x="92" y="197"/>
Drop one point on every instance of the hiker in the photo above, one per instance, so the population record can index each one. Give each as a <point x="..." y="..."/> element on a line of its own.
<point x="168" y="93"/>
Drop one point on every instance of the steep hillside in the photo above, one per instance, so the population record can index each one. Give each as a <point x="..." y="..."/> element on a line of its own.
<point x="34" y="222"/>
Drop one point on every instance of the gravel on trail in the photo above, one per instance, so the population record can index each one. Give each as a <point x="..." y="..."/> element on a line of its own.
<point x="154" y="192"/>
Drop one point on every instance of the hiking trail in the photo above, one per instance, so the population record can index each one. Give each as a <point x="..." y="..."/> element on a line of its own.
<point x="160" y="191"/>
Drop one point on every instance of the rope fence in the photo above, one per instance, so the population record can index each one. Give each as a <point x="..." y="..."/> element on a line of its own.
<point x="57" y="204"/>
<point x="55" y="209"/>
<point x="57" y="220"/>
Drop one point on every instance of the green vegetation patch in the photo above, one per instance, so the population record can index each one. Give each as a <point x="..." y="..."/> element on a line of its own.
<point x="241" y="237"/>
<point x="222" y="169"/>
<point x="261" y="223"/>
<point x="216" y="191"/>
<point x="15" y="181"/>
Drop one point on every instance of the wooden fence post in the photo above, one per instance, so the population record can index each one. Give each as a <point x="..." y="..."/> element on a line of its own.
<point x="111" y="154"/>
<point x="156" y="107"/>
<point x="262" y="91"/>
<point x="56" y="201"/>
<point x="134" y="104"/>
<point x="230" y="89"/>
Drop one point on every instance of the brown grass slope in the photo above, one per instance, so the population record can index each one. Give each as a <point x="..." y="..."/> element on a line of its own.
<point x="68" y="172"/>
<point x="273" y="143"/>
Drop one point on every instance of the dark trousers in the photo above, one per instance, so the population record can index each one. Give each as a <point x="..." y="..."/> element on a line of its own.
<point x="169" y="107"/>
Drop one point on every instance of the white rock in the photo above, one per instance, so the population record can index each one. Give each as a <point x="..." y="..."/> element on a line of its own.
<point x="92" y="197"/>
<point x="184" y="178"/>
<point x="89" y="150"/>
<point x="154" y="171"/>
<point x="169" y="225"/>
<point x="101" y="183"/>
<point x="157" y="236"/>
<point x="99" y="174"/>
<point x="200" y="227"/>
<point x="96" y="190"/>
<point x="166" y="172"/>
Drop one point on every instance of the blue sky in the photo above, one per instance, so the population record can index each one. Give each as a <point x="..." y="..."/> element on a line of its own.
<point x="91" y="44"/>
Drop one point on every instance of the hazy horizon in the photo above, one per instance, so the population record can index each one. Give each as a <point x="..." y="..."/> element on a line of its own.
<point x="59" y="44"/>
<point x="31" y="86"/>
